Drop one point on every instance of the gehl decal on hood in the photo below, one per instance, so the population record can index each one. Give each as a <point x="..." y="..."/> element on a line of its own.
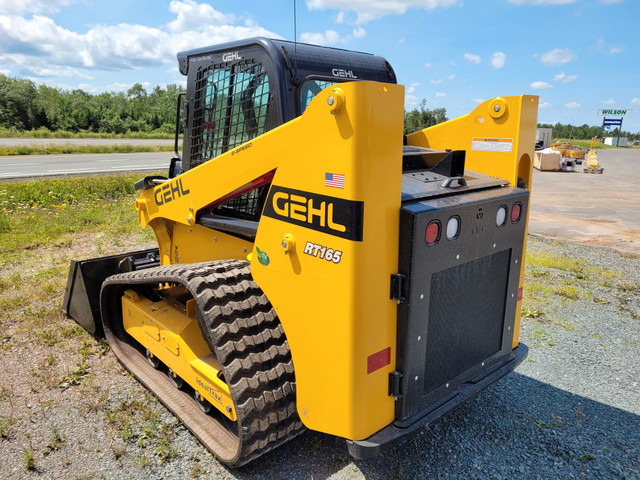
<point x="335" y="216"/>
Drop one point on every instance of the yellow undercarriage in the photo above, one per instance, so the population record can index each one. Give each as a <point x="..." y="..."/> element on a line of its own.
<point x="170" y="331"/>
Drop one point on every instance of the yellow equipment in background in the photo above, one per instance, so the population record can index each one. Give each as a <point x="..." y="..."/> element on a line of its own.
<point x="591" y="165"/>
<point x="569" y="150"/>
<point x="316" y="268"/>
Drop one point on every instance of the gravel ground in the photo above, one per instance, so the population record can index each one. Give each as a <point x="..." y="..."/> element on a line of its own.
<point x="571" y="410"/>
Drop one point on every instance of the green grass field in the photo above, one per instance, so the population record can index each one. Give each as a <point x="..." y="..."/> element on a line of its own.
<point x="46" y="133"/>
<point x="74" y="148"/>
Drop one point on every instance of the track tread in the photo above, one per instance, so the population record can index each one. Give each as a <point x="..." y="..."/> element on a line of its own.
<point x="244" y="332"/>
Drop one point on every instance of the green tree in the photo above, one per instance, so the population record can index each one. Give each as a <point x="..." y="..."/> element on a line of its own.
<point x="418" y="119"/>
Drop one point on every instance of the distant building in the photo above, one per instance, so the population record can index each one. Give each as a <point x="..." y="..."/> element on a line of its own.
<point x="543" y="138"/>
<point x="616" y="141"/>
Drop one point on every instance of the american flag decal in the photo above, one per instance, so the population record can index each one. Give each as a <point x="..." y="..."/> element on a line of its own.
<point x="335" y="180"/>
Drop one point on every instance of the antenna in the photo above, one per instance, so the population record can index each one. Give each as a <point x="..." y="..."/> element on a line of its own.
<point x="295" y="45"/>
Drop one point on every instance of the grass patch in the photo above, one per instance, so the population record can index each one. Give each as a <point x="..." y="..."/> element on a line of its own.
<point x="58" y="194"/>
<point x="46" y="133"/>
<point x="5" y="430"/>
<point x="584" y="143"/>
<point x="29" y="459"/>
<point x="75" y="376"/>
<point x="567" y="291"/>
<point x="530" y="313"/>
<point x="75" y="148"/>
<point x="56" y="441"/>
<point x="549" y="260"/>
<point x="52" y="212"/>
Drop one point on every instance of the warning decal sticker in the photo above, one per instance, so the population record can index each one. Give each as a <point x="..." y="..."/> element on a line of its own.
<point x="492" y="144"/>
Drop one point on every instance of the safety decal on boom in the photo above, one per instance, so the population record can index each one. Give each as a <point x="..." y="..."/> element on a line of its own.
<point x="485" y="144"/>
<point x="335" y="216"/>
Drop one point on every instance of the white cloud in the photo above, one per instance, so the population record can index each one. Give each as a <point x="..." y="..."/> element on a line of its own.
<point x="451" y="77"/>
<point x="5" y="72"/>
<point x="475" y="59"/>
<point x="327" y="38"/>
<point x="189" y="13"/>
<point x="367" y="10"/>
<point x="498" y="59"/>
<point x="440" y="94"/>
<point x="411" y="89"/>
<point x="540" y="85"/>
<point x="436" y="82"/>
<point x="427" y="65"/>
<point x="542" y="2"/>
<point x="544" y="105"/>
<point x="611" y="101"/>
<point x="572" y="105"/>
<point x="635" y="101"/>
<point x="38" y="46"/>
<point x="564" y="78"/>
<point x="411" y="101"/>
<point x="610" y="2"/>
<point x="601" y="47"/>
<point x="557" y="56"/>
<point x="477" y="100"/>
<point x="20" y="7"/>
<point x="331" y="37"/>
<point x="359" y="32"/>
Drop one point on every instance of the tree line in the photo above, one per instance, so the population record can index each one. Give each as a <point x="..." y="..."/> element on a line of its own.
<point x="585" y="132"/>
<point x="27" y="106"/>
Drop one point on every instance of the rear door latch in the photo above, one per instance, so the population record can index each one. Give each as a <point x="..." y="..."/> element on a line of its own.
<point x="395" y="384"/>
<point x="399" y="287"/>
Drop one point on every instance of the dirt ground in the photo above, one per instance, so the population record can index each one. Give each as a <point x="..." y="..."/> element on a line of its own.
<point x="69" y="410"/>
<point x="596" y="209"/>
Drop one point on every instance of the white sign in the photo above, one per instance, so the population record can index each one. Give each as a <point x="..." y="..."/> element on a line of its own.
<point x="616" y="112"/>
<point x="492" y="144"/>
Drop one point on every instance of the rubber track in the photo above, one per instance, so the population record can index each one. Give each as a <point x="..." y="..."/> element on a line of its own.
<point x="244" y="333"/>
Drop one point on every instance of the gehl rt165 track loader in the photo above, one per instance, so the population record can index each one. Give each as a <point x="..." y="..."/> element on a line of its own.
<point x="316" y="268"/>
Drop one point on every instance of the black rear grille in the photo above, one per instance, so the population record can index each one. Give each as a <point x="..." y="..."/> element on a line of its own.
<point x="459" y="315"/>
<point x="466" y="317"/>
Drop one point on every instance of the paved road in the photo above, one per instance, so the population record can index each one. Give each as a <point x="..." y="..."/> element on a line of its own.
<point x="13" y="167"/>
<point x="591" y="208"/>
<point x="11" y="142"/>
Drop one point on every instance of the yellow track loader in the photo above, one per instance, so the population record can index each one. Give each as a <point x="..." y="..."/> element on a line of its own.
<point x="316" y="268"/>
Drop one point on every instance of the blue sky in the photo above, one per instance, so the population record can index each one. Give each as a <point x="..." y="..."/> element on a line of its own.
<point x="578" y="55"/>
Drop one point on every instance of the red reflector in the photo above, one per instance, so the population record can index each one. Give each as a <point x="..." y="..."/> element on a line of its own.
<point x="378" y="360"/>
<point x="515" y="213"/>
<point x="520" y="294"/>
<point x="433" y="232"/>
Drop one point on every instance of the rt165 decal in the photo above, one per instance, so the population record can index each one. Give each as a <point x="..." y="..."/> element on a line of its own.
<point x="325" y="253"/>
<point x="335" y="216"/>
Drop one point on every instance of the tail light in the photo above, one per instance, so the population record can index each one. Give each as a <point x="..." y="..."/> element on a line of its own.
<point x="516" y="212"/>
<point x="433" y="232"/>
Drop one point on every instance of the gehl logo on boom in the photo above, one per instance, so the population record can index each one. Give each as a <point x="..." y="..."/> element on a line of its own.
<point x="335" y="216"/>
<point x="170" y="191"/>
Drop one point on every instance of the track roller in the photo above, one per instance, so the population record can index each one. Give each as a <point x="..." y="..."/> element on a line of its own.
<point x="152" y="359"/>
<point x="204" y="405"/>
<point x="245" y="335"/>
<point x="175" y="380"/>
